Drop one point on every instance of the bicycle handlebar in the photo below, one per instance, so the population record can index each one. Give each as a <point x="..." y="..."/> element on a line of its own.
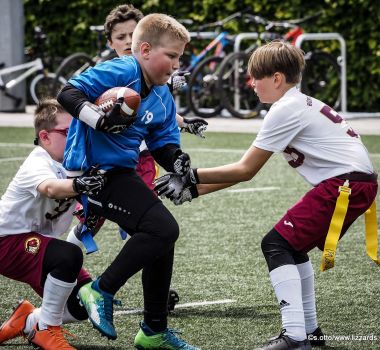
<point x="222" y="22"/>
<point x="98" y="29"/>
<point x="186" y="21"/>
<point x="282" y="24"/>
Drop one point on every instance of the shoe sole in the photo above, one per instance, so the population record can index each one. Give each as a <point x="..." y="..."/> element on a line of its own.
<point x="15" y="309"/>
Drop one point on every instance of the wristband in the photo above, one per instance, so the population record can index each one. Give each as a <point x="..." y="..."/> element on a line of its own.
<point x="194" y="191"/>
<point x="90" y="114"/>
<point x="194" y="176"/>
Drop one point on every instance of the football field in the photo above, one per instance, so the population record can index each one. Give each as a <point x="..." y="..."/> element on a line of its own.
<point x="226" y="299"/>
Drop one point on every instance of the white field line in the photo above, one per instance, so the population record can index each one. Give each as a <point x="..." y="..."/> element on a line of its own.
<point x="27" y="145"/>
<point x="179" y="306"/>
<point x="215" y="150"/>
<point x="254" y="189"/>
<point x="205" y="150"/>
<point x="14" y="159"/>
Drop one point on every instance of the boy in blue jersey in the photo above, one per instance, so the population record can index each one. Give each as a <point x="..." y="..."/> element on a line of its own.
<point x="112" y="142"/>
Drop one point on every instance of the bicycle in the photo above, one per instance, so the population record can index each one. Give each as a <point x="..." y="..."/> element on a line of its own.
<point x="78" y="62"/>
<point x="42" y="85"/>
<point x="200" y="94"/>
<point x="320" y="79"/>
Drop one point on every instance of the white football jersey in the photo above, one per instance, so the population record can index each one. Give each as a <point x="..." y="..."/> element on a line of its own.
<point x="314" y="139"/>
<point x="23" y="209"/>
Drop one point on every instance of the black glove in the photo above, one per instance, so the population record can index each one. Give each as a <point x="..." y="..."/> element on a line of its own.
<point x="182" y="164"/>
<point x="113" y="122"/>
<point x="91" y="182"/>
<point x="171" y="185"/>
<point x="177" y="80"/>
<point x="196" y="126"/>
<point x="187" y="195"/>
<point x="93" y="222"/>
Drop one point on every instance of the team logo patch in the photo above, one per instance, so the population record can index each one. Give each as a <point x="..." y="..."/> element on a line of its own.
<point x="32" y="245"/>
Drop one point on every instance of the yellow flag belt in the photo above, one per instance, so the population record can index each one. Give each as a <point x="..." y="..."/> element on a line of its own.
<point x="336" y="225"/>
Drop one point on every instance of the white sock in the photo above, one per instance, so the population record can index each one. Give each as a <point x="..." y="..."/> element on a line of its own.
<point x="56" y="293"/>
<point x="68" y="317"/>
<point x="72" y="238"/>
<point x="31" y="320"/>
<point x="308" y="296"/>
<point x="287" y="287"/>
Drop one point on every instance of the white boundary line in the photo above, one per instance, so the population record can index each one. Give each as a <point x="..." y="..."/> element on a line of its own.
<point x="27" y="145"/>
<point x="180" y="306"/>
<point x="2" y="160"/>
<point x="254" y="189"/>
<point x="216" y="150"/>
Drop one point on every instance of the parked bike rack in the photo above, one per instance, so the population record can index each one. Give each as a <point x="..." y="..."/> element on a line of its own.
<point x="342" y="63"/>
<point x="343" y="66"/>
<point x="203" y="35"/>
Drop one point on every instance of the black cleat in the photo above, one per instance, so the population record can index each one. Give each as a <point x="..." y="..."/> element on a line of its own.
<point x="317" y="338"/>
<point x="283" y="342"/>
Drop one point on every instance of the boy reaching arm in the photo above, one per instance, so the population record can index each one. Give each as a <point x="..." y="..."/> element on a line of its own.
<point x="325" y="151"/>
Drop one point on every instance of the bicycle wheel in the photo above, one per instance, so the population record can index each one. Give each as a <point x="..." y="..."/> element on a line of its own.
<point x="321" y="78"/>
<point x="71" y="66"/>
<point x="43" y="86"/>
<point x="203" y="96"/>
<point x="234" y="85"/>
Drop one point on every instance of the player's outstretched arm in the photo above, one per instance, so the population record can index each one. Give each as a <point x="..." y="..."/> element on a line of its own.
<point x="66" y="188"/>
<point x="206" y="180"/>
<point x="243" y="170"/>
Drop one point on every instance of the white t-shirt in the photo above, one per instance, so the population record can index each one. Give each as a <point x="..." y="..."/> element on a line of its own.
<point x="23" y="209"/>
<point x="314" y="139"/>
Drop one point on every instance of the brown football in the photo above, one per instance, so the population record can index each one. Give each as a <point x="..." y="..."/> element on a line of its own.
<point x="108" y="98"/>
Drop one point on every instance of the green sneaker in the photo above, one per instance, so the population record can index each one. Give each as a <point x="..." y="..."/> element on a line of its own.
<point x="99" y="306"/>
<point x="146" y="339"/>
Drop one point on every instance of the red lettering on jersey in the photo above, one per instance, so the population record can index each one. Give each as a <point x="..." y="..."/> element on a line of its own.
<point x="297" y="156"/>
<point x="336" y="119"/>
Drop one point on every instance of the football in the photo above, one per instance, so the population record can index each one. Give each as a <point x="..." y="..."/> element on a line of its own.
<point x="130" y="105"/>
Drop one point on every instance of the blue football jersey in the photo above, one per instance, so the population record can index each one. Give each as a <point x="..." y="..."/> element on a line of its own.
<point x="156" y="122"/>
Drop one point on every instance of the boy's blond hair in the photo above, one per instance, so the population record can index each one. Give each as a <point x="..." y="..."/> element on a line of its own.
<point x="277" y="56"/>
<point x="45" y="115"/>
<point x="154" y="27"/>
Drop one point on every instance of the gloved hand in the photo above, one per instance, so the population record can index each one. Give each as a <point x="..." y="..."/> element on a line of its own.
<point x="196" y="126"/>
<point x="94" y="222"/>
<point x="182" y="164"/>
<point x="187" y="195"/>
<point x="171" y="185"/>
<point x="91" y="182"/>
<point x="113" y="122"/>
<point x="177" y="80"/>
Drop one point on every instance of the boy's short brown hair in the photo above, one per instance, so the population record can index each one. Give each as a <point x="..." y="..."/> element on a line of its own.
<point x="45" y="115"/>
<point x="152" y="28"/>
<point x="277" y="56"/>
<point x="121" y="14"/>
